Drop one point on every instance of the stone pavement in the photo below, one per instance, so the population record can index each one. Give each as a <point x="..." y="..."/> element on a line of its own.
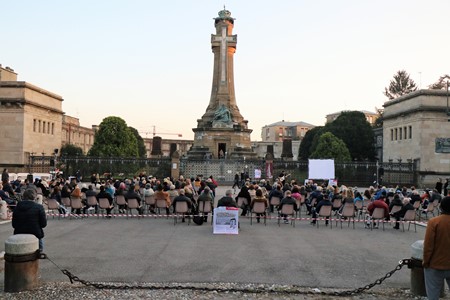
<point x="153" y="250"/>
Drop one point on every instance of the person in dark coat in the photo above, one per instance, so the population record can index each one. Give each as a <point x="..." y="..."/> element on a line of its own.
<point x="181" y="198"/>
<point x="227" y="200"/>
<point x="401" y="213"/>
<point x="244" y="194"/>
<point x="287" y="200"/>
<point x="29" y="218"/>
<point x="132" y="194"/>
<point x="104" y="194"/>
<point x="324" y="201"/>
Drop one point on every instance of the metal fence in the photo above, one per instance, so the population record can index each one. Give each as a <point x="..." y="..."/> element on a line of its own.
<point x="224" y="170"/>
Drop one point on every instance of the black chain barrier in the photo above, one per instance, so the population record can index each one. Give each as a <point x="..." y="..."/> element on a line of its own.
<point x="295" y="290"/>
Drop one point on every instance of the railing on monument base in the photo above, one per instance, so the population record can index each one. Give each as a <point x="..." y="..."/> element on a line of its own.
<point x="116" y="167"/>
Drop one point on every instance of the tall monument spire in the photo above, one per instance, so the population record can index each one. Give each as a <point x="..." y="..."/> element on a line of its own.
<point x="222" y="131"/>
<point x="223" y="45"/>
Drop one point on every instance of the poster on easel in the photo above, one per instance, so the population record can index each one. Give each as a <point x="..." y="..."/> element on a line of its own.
<point x="226" y="220"/>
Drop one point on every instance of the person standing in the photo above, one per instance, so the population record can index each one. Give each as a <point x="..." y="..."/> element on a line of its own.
<point x="29" y="218"/>
<point x="5" y="175"/>
<point x="436" y="261"/>
<point x="439" y="186"/>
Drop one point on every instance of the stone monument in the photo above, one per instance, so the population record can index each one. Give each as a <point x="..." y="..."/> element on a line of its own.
<point x="222" y="132"/>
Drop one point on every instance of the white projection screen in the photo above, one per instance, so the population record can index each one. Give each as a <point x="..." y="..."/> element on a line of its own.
<point x="321" y="169"/>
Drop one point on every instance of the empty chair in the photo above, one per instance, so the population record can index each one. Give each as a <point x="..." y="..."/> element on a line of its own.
<point x="348" y="211"/>
<point x="181" y="208"/>
<point x="377" y="215"/>
<point x="410" y="216"/>
<point x="103" y="204"/>
<point x="324" y="212"/>
<point x="53" y="205"/>
<point x="287" y="209"/>
<point x="133" y="204"/>
<point x="258" y="208"/>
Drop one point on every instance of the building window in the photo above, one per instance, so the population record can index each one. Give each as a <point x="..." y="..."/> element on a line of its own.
<point x="400" y="133"/>
<point x="396" y="134"/>
<point x="392" y="134"/>
<point x="34" y="125"/>
<point x="53" y="128"/>
<point x="405" y="136"/>
<point x="410" y="132"/>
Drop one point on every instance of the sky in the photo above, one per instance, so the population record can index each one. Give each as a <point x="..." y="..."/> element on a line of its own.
<point x="150" y="62"/>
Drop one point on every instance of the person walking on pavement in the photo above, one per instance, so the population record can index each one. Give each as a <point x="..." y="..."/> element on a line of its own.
<point x="436" y="259"/>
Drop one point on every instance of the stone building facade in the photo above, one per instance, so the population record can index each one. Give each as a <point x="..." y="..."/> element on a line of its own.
<point x="416" y="128"/>
<point x="73" y="133"/>
<point x="31" y="120"/>
<point x="277" y="131"/>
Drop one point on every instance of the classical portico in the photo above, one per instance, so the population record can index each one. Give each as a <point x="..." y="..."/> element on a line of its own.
<point x="222" y="131"/>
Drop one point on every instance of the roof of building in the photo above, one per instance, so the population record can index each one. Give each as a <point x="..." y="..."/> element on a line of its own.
<point x="290" y="124"/>
<point x="366" y="112"/>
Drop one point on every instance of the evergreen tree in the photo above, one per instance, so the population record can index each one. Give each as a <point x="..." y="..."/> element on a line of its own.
<point x="331" y="147"/>
<point x="114" y="138"/>
<point x="400" y="85"/>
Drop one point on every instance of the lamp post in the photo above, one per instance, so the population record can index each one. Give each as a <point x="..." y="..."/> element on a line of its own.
<point x="447" y="99"/>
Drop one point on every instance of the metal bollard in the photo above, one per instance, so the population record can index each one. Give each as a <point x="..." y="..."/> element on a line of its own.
<point x="417" y="273"/>
<point x="21" y="263"/>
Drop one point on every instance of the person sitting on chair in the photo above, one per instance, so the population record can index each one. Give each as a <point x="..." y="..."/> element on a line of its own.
<point x="259" y="198"/>
<point x="104" y="194"/>
<point x="227" y="200"/>
<point x="324" y="201"/>
<point x="287" y="200"/>
<point x="181" y="198"/>
<point x="132" y="194"/>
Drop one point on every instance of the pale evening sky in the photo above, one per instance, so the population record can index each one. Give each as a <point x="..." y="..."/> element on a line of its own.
<point x="150" y="62"/>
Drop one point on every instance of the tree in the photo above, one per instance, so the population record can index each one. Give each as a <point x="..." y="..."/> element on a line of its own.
<point x="400" y="85"/>
<point x="71" y="150"/>
<point x="356" y="132"/>
<point x="140" y="141"/>
<point x="441" y="83"/>
<point x="329" y="146"/>
<point x="114" y="138"/>
<point x="304" y="150"/>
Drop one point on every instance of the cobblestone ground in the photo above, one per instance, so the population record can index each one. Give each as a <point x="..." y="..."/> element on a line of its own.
<point x="66" y="290"/>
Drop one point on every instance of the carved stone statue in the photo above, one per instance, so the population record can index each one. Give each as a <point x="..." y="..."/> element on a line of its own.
<point x="222" y="114"/>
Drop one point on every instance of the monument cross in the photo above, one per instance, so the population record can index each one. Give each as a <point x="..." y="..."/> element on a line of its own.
<point x="223" y="39"/>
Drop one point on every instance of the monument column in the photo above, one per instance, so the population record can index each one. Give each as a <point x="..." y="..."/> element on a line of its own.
<point x="222" y="129"/>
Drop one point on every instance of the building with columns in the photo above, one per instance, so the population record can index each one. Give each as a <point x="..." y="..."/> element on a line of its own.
<point x="75" y="134"/>
<point x="31" y="119"/>
<point x="416" y="128"/>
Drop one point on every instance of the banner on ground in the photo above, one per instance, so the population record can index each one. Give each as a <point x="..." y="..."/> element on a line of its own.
<point x="226" y="220"/>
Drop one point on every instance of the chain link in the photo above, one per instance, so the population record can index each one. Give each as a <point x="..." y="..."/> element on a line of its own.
<point x="296" y="290"/>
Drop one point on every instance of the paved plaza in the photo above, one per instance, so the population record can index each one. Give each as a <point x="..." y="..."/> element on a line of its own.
<point x="154" y="250"/>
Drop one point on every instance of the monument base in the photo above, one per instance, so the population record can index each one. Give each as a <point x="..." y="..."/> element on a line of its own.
<point x="221" y="142"/>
